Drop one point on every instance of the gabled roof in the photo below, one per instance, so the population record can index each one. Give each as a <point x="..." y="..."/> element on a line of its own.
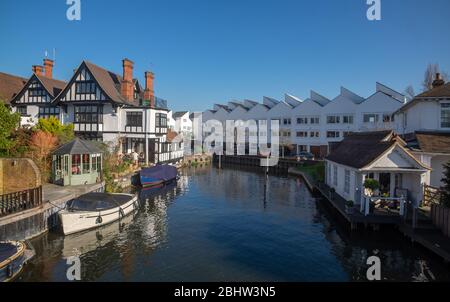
<point x="292" y="100"/>
<point x="77" y="146"/>
<point x="440" y="92"/>
<point x="110" y="83"/>
<point x="352" y="96"/>
<point x="179" y="114"/>
<point x="52" y="86"/>
<point x="10" y="86"/>
<point x="172" y="137"/>
<point x="361" y="149"/>
<point x="319" y="99"/>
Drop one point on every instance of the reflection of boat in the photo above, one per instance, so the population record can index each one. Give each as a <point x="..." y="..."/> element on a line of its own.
<point x="13" y="256"/>
<point x="157" y="175"/>
<point x="85" y="242"/>
<point x="96" y="209"/>
<point x="148" y="192"/>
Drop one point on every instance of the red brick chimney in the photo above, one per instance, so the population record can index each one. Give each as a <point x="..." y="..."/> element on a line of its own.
<point x="48" y="66"/>
<point x="37" y="69"/>
<point x="149" y="93"/>
<point x="438" y="81"/>
<point x="126" y="87"/>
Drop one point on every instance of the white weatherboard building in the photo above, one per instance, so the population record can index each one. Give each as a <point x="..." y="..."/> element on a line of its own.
<point x="379" y="155"/>
<point x="425" y="125"/>
<point x="316" y="123"/>
<point x="103" y="106"/>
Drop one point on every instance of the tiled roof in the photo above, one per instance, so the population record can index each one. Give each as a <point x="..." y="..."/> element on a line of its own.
<point x="10" y="85"/>
<point x="433" y="142"/>
<point x="53" y="86"/>
<point x="179" y="114"/>
<point x="438" y="92"/>
<point x="360" y="149"/>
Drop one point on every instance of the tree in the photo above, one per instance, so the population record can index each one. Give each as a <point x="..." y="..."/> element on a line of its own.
<point x="8" y="123"/>
<point x="445" y="190"/>
<point x="42" y="145"/>
<point x="409" y="92"/>
<point x="52" y="125"/>
<point x="21" y="138"/>
<point x="430" y="74"/>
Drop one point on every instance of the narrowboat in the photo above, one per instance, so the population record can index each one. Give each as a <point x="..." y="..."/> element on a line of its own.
<point x="157" y="175"/>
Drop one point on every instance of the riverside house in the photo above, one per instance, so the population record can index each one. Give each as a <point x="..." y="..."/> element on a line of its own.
<point x="317" y="123"/>
<point x="103" y="106"/>
<point x="424" y="123"/>
<point x="379" y="155"/>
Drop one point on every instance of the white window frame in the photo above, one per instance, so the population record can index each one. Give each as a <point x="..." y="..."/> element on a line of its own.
<point x="347" y="181"/>
<point x="335" y="175"/>
<point x="441" y="110"/>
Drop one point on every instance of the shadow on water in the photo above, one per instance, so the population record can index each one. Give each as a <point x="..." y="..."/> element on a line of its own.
<point x="231" y="225"/>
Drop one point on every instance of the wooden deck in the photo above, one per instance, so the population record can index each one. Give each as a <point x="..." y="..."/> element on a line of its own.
<point x="380" y="217"/>
<point x="431" y="239"/>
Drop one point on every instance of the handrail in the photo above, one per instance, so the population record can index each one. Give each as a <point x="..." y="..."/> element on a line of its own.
<point x="15" y="202"/>
<point x="365" y="206"/>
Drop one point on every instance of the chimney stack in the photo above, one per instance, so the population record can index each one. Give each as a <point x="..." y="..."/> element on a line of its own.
<point x="126" y="86"/>
<point x="37" y="69"/>
<point x="48" y="66"/>
<point x="149" y="93"/>
<point x="438" y="81"/>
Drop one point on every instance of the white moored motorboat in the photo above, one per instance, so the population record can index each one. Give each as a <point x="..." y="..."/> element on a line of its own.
<point x="93" y="210"/>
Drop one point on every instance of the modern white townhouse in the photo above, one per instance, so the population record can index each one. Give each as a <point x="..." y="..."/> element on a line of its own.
<point x="103" y="106"/>
<point x="317" y="123"/>
<point x="181" y="123"/>
<point x="424" y="124"/>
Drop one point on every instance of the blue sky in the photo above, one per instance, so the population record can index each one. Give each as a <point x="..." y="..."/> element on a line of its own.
<point x="209" y="51"/>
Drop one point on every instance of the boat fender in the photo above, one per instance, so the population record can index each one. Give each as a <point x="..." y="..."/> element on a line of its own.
<point x="121" y="213"/>
<point x="99" y="219"/>
<point x="9" y="271"/>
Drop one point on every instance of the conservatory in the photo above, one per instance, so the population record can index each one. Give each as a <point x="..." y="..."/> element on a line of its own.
<point x="78" y="162"/>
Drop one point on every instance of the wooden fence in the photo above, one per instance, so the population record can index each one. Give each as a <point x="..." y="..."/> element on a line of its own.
<point x="431" y="195"/>
<point x="441" y="218"/>
<point x="19" y="201"/>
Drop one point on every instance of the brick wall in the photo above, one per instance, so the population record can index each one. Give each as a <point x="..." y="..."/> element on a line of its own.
<point x="17" y="174"/>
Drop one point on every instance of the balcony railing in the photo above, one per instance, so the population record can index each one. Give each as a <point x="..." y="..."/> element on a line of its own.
<point x="159" y="103"/>
<point x="393" y="205"/>
<point x="19" y="201"/>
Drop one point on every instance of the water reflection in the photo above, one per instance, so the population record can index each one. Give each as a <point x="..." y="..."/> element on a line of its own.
<point x="230" y="225"/>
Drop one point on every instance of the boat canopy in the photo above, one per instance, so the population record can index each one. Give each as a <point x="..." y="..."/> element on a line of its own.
<point x="97" y="202"/>
<point x="7" y="250"/>
<point x="160" y="172"/>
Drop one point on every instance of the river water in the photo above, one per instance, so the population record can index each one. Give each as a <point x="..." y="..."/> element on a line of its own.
<point x="231" y="225"/>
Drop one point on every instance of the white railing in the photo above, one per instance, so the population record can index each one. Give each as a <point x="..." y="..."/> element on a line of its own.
<point x="367" y="200"/>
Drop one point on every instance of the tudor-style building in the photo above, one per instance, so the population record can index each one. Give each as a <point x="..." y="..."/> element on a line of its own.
<point x="107" y="107"/>
<point x="103" y="106"/>
<point x="35" y="99"/>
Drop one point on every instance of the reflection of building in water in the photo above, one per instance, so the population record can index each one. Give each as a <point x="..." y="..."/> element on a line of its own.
<point x="398" y="260"/>
<point x="243" y="186"/>
<point x="153" y="219"/>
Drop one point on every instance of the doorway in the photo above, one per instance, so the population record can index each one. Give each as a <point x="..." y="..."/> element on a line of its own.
<point x="385" y="183"/>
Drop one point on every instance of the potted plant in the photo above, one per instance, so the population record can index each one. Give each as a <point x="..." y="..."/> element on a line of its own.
<point x="371" y="186"/>
<point x="349" y="207"/>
